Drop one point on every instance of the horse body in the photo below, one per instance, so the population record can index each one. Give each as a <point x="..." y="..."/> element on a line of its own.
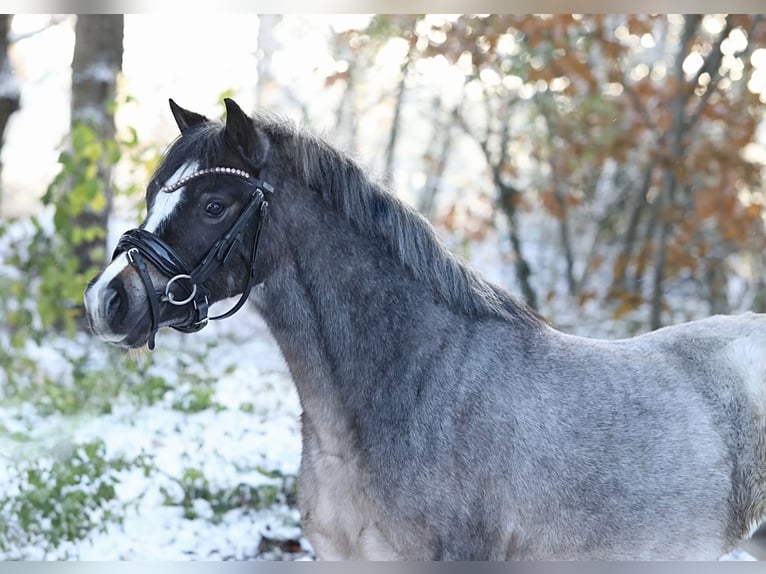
<point x="457" y="437"/>
<point x="442" y="418"/>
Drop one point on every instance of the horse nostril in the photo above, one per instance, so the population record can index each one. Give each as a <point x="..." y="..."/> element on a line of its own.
<point x="112" y="299"/>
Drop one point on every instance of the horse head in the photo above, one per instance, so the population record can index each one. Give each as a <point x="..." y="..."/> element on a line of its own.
<point x="199" y="241"/>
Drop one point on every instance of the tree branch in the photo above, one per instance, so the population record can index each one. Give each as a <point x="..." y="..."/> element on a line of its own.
<point x="667" y="197"/>
<point x="712" y="66"/>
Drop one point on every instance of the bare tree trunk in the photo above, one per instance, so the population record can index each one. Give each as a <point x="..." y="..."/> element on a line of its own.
<point x="346" y="116"/>
<point x="388" y="168"/>
<point x="509" y="198"/>
<point x="96" y="63"/>
<point x="9" y="89"/>
<point x="631" y="233"/>
<point x="565" y="237"/>
<point x="670" y="182"/>
<point x="715" y="279"/>
<point x="759" y="300"/>
<point x="440" y="147"/>
<point x="559" y="196"/>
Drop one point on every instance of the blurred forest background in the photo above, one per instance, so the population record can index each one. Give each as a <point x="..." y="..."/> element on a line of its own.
<point x="609" y="169"/>
<point x="618" y="160"/>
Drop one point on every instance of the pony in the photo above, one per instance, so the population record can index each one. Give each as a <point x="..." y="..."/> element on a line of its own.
<point x="441" y="417"/>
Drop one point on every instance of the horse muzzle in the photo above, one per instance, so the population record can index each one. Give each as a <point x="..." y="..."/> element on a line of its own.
<point x="117" y="303"/>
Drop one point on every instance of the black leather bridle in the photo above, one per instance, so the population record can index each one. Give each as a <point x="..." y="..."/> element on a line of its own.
<point x="141" y="246"/>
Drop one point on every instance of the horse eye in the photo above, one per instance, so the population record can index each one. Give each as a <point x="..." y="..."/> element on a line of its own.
<point x="214" y="208"/>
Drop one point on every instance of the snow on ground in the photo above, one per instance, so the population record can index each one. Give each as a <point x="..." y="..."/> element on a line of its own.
<point x="249" y="434"/>
<point x="228" y="443"/>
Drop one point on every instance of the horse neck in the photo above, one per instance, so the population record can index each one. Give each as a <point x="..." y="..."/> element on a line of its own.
<point x="344" y="311"/>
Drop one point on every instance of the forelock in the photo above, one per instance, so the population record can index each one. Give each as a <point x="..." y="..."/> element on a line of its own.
<point x="202" y="144"/>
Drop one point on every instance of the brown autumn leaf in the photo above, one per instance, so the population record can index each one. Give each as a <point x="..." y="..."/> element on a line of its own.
<point x="628" y="302"/>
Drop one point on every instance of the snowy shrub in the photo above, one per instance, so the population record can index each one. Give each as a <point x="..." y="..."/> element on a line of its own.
<point x="60" y="376"/>
<point x="200" y="499"/>
<point x="64" y="499"/>
<point x="195" y="399"/>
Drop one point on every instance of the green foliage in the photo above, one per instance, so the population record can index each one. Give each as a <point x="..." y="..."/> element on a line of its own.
<point x="48" y="503"/>
<point x="196" y="487"/>
<point x="383" y="27"/>
<point x="149" y="390"/>
<point x="77" y="387"/>
<point x="65" y="499"/>
<point x="198" y="392"/>
<point x="197" y="399"/>
<point x="86" y="391"/>
<point x="54" y="263"/>
<point x="79" y="198"/>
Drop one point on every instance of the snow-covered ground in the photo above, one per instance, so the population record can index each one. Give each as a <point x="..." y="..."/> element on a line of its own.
<point x="252" y="425"/>
<point x="242" y="435"/>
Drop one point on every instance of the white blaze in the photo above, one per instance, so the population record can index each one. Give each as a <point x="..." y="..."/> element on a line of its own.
<point x="165" y="203"/>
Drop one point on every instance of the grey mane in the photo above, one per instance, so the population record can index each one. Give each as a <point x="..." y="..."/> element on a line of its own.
<point x="376" y="213"/>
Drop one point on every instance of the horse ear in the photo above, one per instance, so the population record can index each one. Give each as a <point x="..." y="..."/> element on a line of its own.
<point x="184" y="118"/>
<point x="242" y="135"/>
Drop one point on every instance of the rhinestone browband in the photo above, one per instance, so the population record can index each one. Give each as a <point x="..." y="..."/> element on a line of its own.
<point x="209" y="171"/>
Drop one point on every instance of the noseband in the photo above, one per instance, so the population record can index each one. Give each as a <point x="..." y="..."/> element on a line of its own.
<point x="141" y="246"/>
